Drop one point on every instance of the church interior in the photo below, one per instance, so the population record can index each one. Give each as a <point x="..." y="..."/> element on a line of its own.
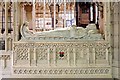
<point x="60" y="39"/>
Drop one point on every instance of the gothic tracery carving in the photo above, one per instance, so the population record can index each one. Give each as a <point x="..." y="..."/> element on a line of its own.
<point x="82" y="51"/>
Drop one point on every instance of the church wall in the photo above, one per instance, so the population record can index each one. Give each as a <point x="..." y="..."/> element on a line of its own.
<point x="119" y="37"/>
<point x="116" y="43"/>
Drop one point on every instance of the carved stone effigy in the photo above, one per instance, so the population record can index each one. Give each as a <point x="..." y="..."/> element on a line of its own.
<point x="62" y="34"/>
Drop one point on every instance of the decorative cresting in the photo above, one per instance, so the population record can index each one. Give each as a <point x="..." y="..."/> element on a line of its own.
<point x="56" y="58"/>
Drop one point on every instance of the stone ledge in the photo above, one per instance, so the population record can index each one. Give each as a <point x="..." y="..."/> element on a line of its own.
<point x="59" y="79"/>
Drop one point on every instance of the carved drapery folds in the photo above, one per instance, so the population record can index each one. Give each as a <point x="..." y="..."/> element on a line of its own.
<point x="62" y="34"/>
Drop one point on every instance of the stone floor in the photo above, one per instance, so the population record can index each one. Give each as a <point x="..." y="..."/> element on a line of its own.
<point x="58" y="79"/>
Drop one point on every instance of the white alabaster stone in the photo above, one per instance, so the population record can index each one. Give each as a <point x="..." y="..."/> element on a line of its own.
<point x="62" y="34"/>
<point x="91" y="27"/>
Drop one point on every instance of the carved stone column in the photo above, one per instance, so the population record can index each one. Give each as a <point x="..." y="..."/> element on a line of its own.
<point x="19" y="22"/>
<point x="15" y="28"/>
<point x="44" y="13"/>
<point x="64" y="13"/>
<point x="107" y="20"/>
<point x="33" y="16"/>
<point x="54" y="14"/>
<point x="119" y="36"/>
<point x="116" y="55"/>
<point x="6" y="26"/>
<point x="23" y="18"/>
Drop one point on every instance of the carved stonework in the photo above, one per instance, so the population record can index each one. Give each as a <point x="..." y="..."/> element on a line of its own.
<point x="4" y="57"/>
<point x="62" y="34"/>
<point x="22" y="55"/>
<point x="41" y="53"/>
<point x="100" y="53"/>
<point x="65" y="71"/>
<point x="69" y="51"/>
